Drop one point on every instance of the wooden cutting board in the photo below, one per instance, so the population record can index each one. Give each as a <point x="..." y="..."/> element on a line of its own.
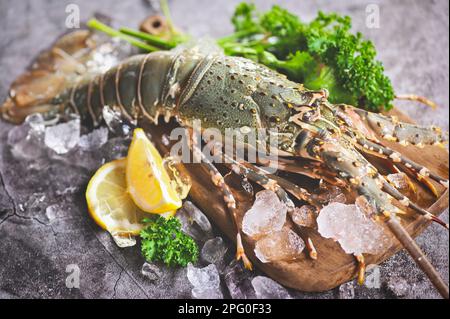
<point x="333" y="266"/>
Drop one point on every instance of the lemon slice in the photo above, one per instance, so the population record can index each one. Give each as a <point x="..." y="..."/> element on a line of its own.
<point x="109" y="203"/>
<point x="149" y="184"/>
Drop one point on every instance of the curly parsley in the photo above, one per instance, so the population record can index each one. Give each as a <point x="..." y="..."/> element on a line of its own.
<point x="163" y="240"/>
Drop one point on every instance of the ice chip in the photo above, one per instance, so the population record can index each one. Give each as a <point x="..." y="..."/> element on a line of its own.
<point x="51" y="212"/>
<point x="399" y="286"/>
<point x="214" y="251"/>
<point x="347" y="291"/>
<point x="267" y="288"/>
<point x="199" y="293"/>
<point x="63" y="137"/>
<point x="194" y="222"/>
<point x="267" y="215"/>
<point x="124" y="241"/>
<point x="26" y="140"/>
<point x="238" y="281"/>
<point x="151" y="271"/>
<point x="203" y="278"/>
<point x="94" y="139"/>
<point x="116" y="122"/>
<point x="355" y="232"/>
<point x="305" y="216"/>
<point x="283" y="245"/>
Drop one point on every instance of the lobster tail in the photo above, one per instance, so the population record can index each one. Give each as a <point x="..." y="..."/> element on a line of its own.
<point x="42" y="88"/>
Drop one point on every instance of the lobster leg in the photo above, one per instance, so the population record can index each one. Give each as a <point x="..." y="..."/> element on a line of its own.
<point x="398" y="158"/>
<point x="258" y="176"/>
<point x="361" y="268"/>
<point x="422" y="179"/>
<point x="351" y="165"/>
<point x="388" y="188"/>
<point x="416" y="98"/>
<point x="229" y="199"/>
<point x="391" y="129"/>
<point x="404" y="200"/>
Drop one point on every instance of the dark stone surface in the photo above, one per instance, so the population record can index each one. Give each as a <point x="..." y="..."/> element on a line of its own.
<point x="36" y="248"/>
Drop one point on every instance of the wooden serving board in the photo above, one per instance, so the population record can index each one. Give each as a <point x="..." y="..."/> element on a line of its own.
<point x="333" y="266"/>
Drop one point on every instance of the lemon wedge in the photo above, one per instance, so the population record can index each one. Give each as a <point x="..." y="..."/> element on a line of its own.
<point x="148" y="182"/>
<point x="109" y="203"/>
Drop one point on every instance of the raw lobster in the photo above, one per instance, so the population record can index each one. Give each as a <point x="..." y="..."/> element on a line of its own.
<point x="235" y="93"/>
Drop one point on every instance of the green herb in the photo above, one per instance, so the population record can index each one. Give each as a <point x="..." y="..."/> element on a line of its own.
<point x="163" y="240"/>
<point x="97" y="25"/>
<point x="321" y="54"/>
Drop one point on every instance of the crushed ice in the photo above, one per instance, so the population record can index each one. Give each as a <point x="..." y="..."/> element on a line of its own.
<point x="305" y="216"/>
<point x="194" y="222"/>
<point x="355" y="232"/>
<point x="151" y="271"/>
<point x="94" y="140"/>
<point x="267" y="215"/>
<point x="283" y="245"/>
<point x="205" y="282"/>
<point x="214" y="251"/>
<point x="267" y="288"/>
<point x="63" y="137"/>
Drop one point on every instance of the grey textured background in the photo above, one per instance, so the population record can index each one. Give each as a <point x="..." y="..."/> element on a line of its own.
<point x="413" y="44"/>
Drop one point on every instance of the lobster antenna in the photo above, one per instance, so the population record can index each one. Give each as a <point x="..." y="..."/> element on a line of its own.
<point x="419" y="257"/>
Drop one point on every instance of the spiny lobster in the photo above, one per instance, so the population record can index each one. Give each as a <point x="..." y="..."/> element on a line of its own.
<point x="230" y="92"/>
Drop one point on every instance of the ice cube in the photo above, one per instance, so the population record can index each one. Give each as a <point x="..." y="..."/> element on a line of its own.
<point x="63" y="137"/>
<point x="347" y="291"/>
<point x="116" y="122"/>
<point x="151" y="271"/>
<point x="194" y="222"/>
<point x="214" y="251"/>
<point x="398" y="285"/>
<point x="267" y="288"/>
<point x="305" y="216"/>
<point x="123" y="240"/>
<point x="238" y="281"/>
<point x="267" y="215"/>
<point x="205" y="282"/>
<point x="26" y="140"/>
<point x="283" y="245"/>
<point x="51" y="212"/>
<point x="94" y="139"/>
<point x="203" y="278"/>
<point x="199" y="293"/>
<point x="355" y="232"/>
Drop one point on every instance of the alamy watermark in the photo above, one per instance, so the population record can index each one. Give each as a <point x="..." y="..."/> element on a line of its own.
<point x="373" y="16"/>
<point x="73" y="16"/>
<point x="73" y="279"/>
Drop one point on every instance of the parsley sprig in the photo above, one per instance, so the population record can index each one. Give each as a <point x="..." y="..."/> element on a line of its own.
<point x="163" y="240"/>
